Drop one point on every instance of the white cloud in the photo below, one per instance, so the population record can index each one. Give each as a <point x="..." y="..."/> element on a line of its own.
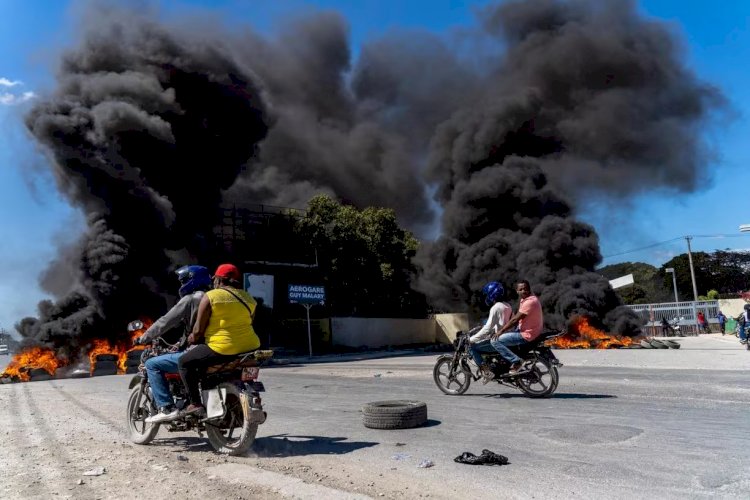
<point x="10" y="96"/>
<point x="4" y="82"/>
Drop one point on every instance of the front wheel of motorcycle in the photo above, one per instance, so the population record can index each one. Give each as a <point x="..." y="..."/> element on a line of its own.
<point x="450" y="380"/>
<point x="141" y="432"/>
<point x="234" y="434"/>
<point x="541" y="379"/>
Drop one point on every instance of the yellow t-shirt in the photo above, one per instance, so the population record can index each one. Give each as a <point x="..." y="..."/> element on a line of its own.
<point x="230" y="328"/>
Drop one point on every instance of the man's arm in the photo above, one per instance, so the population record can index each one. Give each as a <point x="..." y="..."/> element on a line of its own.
<point x="513" y="321"/>
<point x="489" y="326"/>
<point x="170" y="320"/>
<point x="201" y="321"/>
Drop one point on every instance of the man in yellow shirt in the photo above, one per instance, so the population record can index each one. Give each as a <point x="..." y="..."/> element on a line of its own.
<point x="223" y="328"/>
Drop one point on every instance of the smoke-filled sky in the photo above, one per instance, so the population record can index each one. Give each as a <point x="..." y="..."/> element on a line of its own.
<point x="364" y="89"/>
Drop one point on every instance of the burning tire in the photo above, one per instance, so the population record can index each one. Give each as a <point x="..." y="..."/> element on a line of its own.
<point x="105" y="366"/>
<point x="39" y="374"/>
<point x="137" y="412"/>
<point x="106" y="357"/>
<point x="397" y="414"/>
<point x="221" y="434"/>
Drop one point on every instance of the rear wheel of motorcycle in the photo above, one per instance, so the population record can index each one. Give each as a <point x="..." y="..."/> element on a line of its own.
<point x="451" y="382"/>
<point x="541" y="381"/>
<point x="235" y="433"/>
<point x="140" y="431"/>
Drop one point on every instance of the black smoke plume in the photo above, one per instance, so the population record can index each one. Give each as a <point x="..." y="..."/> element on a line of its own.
<point x="145" y="129"/>
<point x="152" y="128"/>
<point x="588" y="96"/>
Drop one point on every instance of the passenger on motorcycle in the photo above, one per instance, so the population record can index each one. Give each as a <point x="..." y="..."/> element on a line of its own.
<point x="194" y="281"/>
<point x="500" y="313"/>
<point x="225" y="324"/>
<point x="529" y="319"/>
<point x="744" y="322"/>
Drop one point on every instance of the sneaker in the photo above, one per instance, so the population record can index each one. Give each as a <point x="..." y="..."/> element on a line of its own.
<point x="487" y="374"/>
<point x="165" y="415"/>
<point x="192" y="409"/>
<point x="515" y="368"/>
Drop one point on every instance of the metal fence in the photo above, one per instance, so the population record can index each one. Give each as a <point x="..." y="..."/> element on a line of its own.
<point x="686" y="312"/>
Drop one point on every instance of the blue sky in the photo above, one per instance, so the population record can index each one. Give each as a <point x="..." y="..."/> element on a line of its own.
<point x="34" y="219"/>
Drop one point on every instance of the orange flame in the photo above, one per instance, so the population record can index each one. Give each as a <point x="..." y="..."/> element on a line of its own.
<point x="119" y="349"/>
<point x="39" y="357"/>
<point x="30" y="359"/>
<point x="582" y="335"/>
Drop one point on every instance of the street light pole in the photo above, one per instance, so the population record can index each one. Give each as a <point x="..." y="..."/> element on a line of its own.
<point x="674" y="282"/>
<point x="692" y="271"/>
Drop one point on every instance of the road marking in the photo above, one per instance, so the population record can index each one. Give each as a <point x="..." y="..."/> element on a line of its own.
<point x="286" y="486"/>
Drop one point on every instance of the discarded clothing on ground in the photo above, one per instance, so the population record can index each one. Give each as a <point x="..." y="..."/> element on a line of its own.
<point x="486" y="458"/>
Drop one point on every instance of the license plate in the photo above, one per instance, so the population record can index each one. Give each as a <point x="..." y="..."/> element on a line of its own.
<point x="250" y="373"/>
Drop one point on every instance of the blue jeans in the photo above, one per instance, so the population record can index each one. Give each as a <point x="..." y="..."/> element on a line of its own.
<point x="156" y="367"/>
<point x="508" y="339"/>
<point x="478" y="348"/>
<point x="743" y="332"/>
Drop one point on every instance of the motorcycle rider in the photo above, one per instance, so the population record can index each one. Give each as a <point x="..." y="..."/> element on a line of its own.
<point x="500" y="313"/>
<point x="744" y="322"/>
<point x="225" y="323"/>
<point x="530" y="320"/>
<point x="194" y="281"/>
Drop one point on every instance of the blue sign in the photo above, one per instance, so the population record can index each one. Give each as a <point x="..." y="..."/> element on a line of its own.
<point x="307" y="294"/>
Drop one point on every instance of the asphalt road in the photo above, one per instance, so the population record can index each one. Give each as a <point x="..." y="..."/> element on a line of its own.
<point x="619" y="426"/>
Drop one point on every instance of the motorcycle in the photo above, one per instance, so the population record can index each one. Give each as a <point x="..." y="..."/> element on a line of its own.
<point x="538" y="377"/>
<point x="675" y="324"/>
<point x="229" y="392"/>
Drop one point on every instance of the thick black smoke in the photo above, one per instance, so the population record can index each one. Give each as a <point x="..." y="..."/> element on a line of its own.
<point x="588" y="96"/>
<point x="151" y="129"/>
<point x="145" y="129"/>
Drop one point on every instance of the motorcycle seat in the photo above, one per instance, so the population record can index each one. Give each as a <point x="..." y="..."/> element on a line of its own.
<point x="242" y="360"/>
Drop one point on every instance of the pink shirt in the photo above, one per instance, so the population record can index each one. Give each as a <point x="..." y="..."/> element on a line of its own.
<point x="531" y="325"/>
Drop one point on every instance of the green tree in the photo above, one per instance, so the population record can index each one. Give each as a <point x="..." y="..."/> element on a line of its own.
<point x="648" y="286"/>
<point x="365" y="259"/>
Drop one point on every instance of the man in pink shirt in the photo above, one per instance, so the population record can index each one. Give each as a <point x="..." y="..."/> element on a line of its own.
<point x="529" y="320"/>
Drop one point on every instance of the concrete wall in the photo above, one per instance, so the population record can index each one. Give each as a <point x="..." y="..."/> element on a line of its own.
<point x="380" y="332"/>
<point x="448" y="324"/>
<point x="732" y="307"/>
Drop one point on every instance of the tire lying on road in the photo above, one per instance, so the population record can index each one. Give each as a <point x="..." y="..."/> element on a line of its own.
<point x="105" y="365"/>
<point x="646" y="345"/>
<point x="658" y="344"/>
<point x="396" y="414"/>
<point x="106" y="357"/>
<point x="671" y="343"/>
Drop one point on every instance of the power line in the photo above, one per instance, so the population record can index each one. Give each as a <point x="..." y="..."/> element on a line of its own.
<point x="654" y="245"/>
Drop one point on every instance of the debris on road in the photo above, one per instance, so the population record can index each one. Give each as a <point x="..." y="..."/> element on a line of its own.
<point x="486" y="458"/>
<point x="401" y="456"/>
<point x="426" y="463"/>
<point x="97" y="471"/>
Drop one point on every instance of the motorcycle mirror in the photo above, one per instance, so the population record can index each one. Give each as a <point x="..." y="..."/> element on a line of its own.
<point x="135" y="325"/>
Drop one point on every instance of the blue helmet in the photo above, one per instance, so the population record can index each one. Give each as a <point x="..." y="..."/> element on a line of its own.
<point x="492" y="292"/>
<point x="193" y="278"/>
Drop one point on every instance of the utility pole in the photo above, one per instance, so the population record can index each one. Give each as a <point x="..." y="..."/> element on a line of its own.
<point x="692" y="271"/>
